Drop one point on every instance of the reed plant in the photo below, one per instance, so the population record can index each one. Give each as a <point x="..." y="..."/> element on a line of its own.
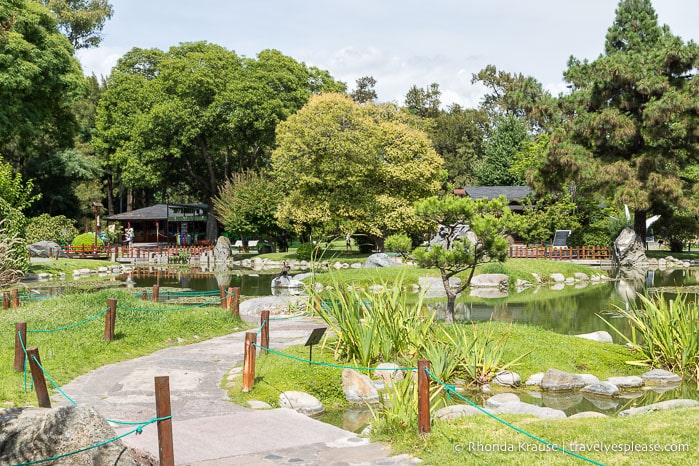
<point x="372" y="327"/>
<point x="664" y="332"/>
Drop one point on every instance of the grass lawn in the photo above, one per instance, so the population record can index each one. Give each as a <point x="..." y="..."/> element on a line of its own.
<point x="65" y="354"/>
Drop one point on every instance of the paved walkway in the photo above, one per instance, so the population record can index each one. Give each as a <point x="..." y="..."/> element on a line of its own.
<point x="208" y="429"/>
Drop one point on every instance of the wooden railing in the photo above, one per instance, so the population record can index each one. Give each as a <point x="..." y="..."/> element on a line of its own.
<point x="559" y="253"/>
<point x="136" y="252"/>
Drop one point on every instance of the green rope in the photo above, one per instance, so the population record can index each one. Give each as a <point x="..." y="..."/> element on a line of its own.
<point x="137" y="430"/>
<point x="451" y="388"/>
<point x="337" y="366"/>
<point x="67" y="327"/>
<point x="193" y="306"/>
<point x="262" y="325"/>
<point x="302" y="314"/>
<point x="24" y="363"/>
<point x="54" y="383"/>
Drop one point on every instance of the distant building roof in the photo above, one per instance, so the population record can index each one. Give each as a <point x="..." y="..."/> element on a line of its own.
<point x="169" y="212"/>
<point x="512" y="193"/>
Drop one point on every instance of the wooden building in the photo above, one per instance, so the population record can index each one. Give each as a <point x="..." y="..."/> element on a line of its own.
<point x="182" y="224"/>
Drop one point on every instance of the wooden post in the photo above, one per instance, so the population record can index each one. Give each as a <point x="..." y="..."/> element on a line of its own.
<point x="20" y="339"/>
<point x="249" y="361"/>
<point x="144" y="296"/>
<point x="222" y="295"/>
<point x="229" y="299"/>
<point x="110" y="319"/>
<point x="163" y="409"/>
<point x="264" y="334"/>
<point x="156" y="293"/>
<point x="42" y="394"/>
<point x="423" y="397"/>
<point x="5" y="299"/>
<point x="15" y="298"/>
<point x="235" y="305"/>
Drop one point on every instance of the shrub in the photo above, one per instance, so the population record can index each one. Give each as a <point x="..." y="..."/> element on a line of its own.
<point x="15" y="253"/>
<point x="307" y="252"/>
<point x="58" y="229"/>
<point x="590" y="236"/>
<point x="399" y="243"/>
<point x="86" y="241"/>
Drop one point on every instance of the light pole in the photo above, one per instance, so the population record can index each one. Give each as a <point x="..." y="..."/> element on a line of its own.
<point x="95" y="210"/>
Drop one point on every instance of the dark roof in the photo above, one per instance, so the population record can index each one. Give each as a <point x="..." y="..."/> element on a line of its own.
<point x="172" y="212"/>
<point x="512" y="193"/>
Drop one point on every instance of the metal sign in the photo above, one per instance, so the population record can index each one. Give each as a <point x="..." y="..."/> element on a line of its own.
<point x="314" y="339"/>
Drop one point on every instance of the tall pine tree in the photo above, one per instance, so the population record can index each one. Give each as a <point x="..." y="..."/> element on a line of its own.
<point x="630" y="130"/>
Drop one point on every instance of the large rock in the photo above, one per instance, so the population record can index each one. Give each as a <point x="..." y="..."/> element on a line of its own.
<point x="490" y="280"/>
<point x="599" y="335"/>
<point x="601" y="389"/>
<point x="446" y="237"/>
<point x="629" y="249"/>
<point x="33" y="434"/>
<point x="380" y="260"/>
<point x="45" y="249"/>
<point x="456" y="411"/>
<point x="301" y="402"/>
<point x="358" y="388"/>
<point x="660" y="377"/>
<point x="285" y="281"/>
<point x="556" y="380"/>
<point x="630" y="381"/>
<point x="518" y="407"/>
<point x="662" y="406"/>
<point x="222" y="250"/>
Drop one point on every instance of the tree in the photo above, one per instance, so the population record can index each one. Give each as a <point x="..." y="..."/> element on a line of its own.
<point x="632" y="119"/>
<point x="193" y="115"/>
<point x="39" y="80"/>
<point x="364" y="91"/>
<point x="81" y="20"/>
<point x="423" y="102"/>
<point x="246" y="204"/>
<point x="486" y="219"/>
<point x="458" y="135"/>
<point x="347" y="167"/>
<point x="507" y="139"/>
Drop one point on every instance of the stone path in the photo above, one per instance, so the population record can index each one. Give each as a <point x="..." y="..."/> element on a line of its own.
<point x="208" y="429"/>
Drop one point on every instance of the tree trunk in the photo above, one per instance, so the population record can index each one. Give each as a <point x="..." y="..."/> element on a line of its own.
<point x="449" y="314"/>
<point x="639" y="224"/>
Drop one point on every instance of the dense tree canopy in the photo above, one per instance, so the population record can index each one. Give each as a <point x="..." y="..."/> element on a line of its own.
<point x="81" y="20"/>
<point x="39" y="80"/>
<point x="632" y="126"/>
<point x="352" y="168"/>
<point x="195" y="114"/>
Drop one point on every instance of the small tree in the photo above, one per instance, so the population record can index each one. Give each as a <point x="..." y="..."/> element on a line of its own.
<point x="486" y="220"/>
<point x="399" y="243"/>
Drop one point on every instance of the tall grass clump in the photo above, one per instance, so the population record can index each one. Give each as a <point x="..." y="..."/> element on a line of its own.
<point x="373" y="327"/>
<point x="664" y="332"/>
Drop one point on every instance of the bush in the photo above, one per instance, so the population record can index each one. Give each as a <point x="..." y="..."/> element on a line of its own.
<point x="86" y="241"/>
<point x="307" y="252"/>
<point x="15" y="256"/>
<point x="590" y="236"/>
<point x="58" y="229"/>
<point x="400" y="243"/>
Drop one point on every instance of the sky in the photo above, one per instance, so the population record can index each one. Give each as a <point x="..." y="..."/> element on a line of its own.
<point x="399" y="43"/>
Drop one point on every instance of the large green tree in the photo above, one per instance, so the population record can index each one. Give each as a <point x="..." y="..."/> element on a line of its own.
<point x="632" y="118"/>
<point x="347" y="167"/>
<point x="192" y="115"/>
<point x="39" y="81"/>
<point x="500" y="149"/>
<point x="81" y="20"/>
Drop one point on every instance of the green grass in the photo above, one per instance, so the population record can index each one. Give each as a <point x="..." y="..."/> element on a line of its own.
<point x="69" y="353"/>
<point x="475" y="440"/>
<point x="67" y="266"/>
<point x="275" y="374"/>
<point x="663" y="253"/>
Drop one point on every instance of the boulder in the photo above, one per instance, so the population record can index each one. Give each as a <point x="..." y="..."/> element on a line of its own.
<point x="507" y="379"/>
<point x="601" y="389"/>
<point x="301" y="402"/>
<point x="600" y="335"/>
<point x="284" y="281"/>
<point x="629" y="249"/>
<point x="535" y="379"/>
<point x="33" y="434"/>
<point x="660" y="377"/>
<point x="500" y="399"/>
<point x="556" y="380"/>
<point x="45" y="249"/>
<point x="490" y="280"/>
<point x="557" y="277"/>
<point x="222" y="250"/>
<point x="631" y="381"/>
<point x="388" y="372"/>
<point x="518" y="407"/>
<point x="586" y="414"/>
<point x="456" y="411"/>
<point x="380" y="260"/>
<point x="663" y="405"/>
<point x="358" y="388"/>
<point x="445" y="237"/>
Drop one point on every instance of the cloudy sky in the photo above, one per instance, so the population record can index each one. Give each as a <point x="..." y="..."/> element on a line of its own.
<point x="399" y="43"/>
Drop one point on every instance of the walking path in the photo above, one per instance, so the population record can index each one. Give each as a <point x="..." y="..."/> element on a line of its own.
<point x="208" y="429"/>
